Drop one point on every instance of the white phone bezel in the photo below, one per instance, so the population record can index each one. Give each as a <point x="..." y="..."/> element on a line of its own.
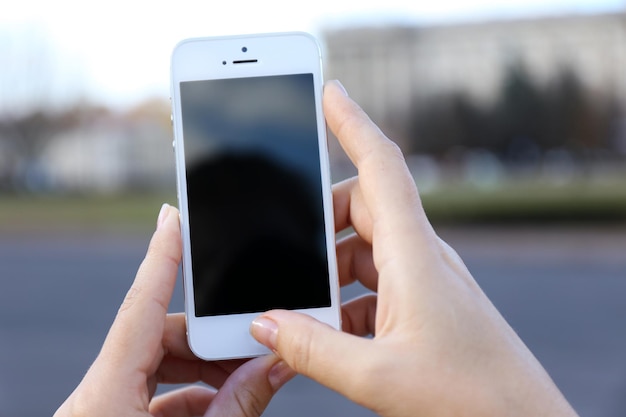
<point x="226" y="337"/>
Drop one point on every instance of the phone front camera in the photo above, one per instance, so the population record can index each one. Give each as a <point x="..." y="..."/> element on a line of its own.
<point x="223" y="62"/>
<point x="244" y="49"/>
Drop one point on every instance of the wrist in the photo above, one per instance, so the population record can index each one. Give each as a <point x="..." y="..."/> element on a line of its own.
<point x="529" y="391"/>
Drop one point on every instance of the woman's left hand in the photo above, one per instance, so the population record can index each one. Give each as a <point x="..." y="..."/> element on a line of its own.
<point x="146" y="346"/>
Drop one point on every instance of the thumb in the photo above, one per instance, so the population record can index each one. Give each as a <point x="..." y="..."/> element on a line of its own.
<point x="338" y="360"/>
<point x="138" y="326"/>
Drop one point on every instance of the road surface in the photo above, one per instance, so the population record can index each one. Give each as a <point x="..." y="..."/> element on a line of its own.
<point x="563" y="290"/>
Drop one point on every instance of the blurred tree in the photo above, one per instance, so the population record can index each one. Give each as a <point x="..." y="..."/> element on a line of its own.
<point x="583" y="122"/>
<point x="35" y="94"/>
<point x="444" y="122"/>
<point x="519" y="117"/>
<point x="36" y="75"/>
<point x="524" y="122"/>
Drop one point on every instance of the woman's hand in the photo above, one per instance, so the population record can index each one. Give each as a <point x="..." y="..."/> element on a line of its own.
<point x="145" y="347"/>
<point x="440" y="348"/>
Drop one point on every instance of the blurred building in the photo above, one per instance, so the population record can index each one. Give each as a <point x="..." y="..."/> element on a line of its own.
<point x="386" y="69"/>
<point x="112" y="153"/>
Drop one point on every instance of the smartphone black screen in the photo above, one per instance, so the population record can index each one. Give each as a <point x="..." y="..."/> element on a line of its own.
<point x="254" y="194"/>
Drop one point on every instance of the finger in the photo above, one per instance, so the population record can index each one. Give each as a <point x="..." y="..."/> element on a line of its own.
<point x="359" y="315"/>
<point x="134" y="340"/>
<point x="355" y="262"/>
<point x="175" y="336"/>
<point x="400" y="229"/>
<point x="250" y="388"/>
<point x="184" y="402"/>
<point x="333" y="358"/>
<point x="349" y="209"/>
<point x="389" y="192"/>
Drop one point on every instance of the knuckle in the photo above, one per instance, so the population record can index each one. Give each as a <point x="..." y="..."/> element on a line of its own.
<point x="130" y="298"/>
<point x="249" y="401"/>
<point x="167" y="252"/>
<point x="300" y="349"/>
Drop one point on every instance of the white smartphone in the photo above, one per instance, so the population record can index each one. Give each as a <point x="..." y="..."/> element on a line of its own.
<point x="254" y="186"/>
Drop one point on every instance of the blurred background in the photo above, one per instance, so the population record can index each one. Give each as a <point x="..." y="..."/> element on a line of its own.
<point x="512" y="116"/>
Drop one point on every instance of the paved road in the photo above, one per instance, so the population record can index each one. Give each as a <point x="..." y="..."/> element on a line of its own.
<point x="562" y="290"/>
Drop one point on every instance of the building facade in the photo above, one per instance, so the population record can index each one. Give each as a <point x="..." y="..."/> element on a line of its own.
<point x="387" y="69"/>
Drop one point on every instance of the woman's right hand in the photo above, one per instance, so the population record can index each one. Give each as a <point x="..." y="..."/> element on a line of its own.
<point x="440" y="348"/>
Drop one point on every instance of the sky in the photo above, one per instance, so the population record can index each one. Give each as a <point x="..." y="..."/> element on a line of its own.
<point x="117" y="52"/>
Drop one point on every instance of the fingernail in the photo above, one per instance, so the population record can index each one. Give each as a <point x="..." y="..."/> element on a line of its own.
<point x="162" y="214"/>
<point x="341" y="87"/>
<point x="265" y="331"/>
<point x="280" y="374"/>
